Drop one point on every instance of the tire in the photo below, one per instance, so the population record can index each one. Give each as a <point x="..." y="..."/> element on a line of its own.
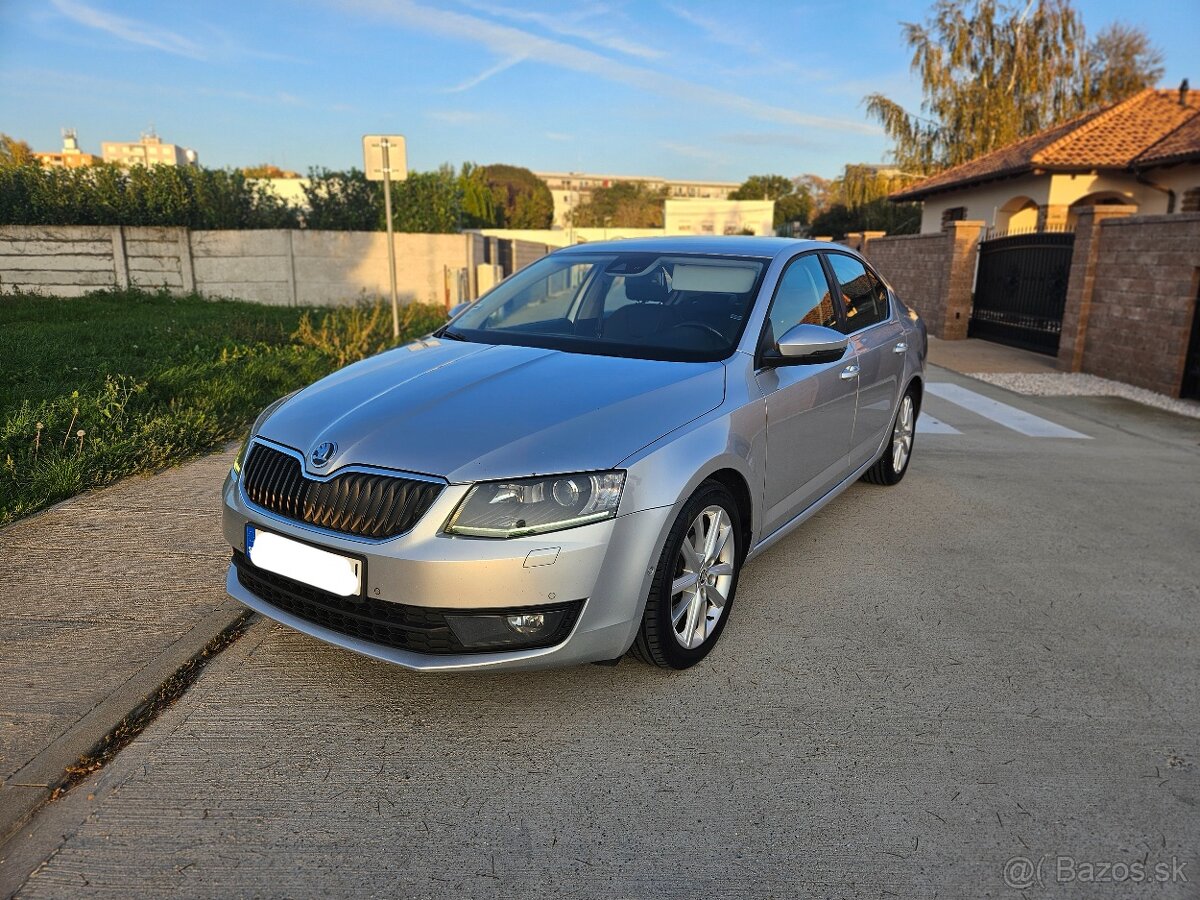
<point x="897" y="454"/>
<point x="673" y="633"/>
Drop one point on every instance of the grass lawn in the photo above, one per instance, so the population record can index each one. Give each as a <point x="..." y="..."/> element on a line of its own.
<point x="152" y="380"/>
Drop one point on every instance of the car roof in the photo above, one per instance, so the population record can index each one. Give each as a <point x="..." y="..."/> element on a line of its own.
<point x="725" y="245"/>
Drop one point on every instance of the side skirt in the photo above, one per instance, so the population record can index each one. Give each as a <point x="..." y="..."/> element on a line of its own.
<point x="787" y="527"/>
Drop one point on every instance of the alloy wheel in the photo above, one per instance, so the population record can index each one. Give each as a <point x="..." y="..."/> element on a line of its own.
<point x="703" y="577"/>
<point x="902" y="434"/>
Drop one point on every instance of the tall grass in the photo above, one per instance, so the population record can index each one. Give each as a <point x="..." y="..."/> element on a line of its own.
<point x="118" y="383"/>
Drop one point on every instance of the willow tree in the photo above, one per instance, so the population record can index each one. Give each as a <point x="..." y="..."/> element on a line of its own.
<point x="992" y="74"/>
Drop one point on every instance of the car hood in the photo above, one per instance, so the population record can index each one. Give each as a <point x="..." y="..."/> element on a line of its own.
<point x="471" y="412"/>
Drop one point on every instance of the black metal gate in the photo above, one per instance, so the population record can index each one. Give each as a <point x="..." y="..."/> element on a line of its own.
<point x="1190" y="388"/>
<point x="1021" y="289"/>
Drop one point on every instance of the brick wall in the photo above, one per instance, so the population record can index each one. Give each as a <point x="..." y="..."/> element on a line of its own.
<point x="934" y="273"/>
<point x="915" y="265"/>
<point x="1145" y="277"/>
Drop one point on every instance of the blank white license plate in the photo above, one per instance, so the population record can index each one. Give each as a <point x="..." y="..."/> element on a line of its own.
<point x="341" y="575"/>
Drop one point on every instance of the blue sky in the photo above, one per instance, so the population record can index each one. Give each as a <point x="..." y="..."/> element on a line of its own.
<point x="673" y="88"/>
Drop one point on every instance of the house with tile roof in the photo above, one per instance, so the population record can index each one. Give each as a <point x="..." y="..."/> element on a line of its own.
<point x="1143" y="151"/>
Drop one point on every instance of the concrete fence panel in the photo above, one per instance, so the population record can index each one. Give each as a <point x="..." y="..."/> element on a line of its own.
<point x="62" y="260"/>
<point x="246" y="265"/>
<point x="152" y="257"/>
<point x="340" y="267"/>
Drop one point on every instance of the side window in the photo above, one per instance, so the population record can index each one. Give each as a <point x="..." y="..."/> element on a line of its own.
<point x="801" y="298"/>
<point x="863" y="295"/>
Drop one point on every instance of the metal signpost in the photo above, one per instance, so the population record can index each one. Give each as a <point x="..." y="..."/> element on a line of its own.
<point x="384" y="158"/>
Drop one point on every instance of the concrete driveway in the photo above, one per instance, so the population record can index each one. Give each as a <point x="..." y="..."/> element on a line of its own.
<point x="922" y="689"/>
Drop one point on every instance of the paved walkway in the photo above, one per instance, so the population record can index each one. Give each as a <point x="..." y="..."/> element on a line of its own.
<point x="973" y="355"/>
<point x="994" y="661"/>
<point x="104" y="597"/>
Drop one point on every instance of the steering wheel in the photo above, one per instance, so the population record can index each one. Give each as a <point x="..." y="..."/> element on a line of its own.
<point x="703" y="327"/>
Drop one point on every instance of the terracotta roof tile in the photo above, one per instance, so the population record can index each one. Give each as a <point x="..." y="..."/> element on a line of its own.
<point x="1181" y="144"/>
<point x="1150" y="127"/>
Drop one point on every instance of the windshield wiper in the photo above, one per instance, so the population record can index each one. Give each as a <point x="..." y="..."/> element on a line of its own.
<point x="450" y="335"/>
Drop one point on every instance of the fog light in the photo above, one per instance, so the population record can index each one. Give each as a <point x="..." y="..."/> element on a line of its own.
<point x="526" y="624"/>
<point x="514" y="629"/>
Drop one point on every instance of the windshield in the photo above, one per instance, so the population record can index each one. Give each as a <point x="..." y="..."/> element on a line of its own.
<point x="673" y="306"/>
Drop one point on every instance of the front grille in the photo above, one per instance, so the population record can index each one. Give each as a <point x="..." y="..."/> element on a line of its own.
<point x="413" y="628"/>
<point x="416" y="628"/>
<point x="366" y="505"/>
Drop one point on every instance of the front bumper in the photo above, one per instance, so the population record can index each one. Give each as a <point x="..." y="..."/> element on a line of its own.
<point x="608" y="565"/>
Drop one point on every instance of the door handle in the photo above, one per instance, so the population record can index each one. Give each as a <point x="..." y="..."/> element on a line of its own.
<point x="900" y="347"/>
<point x="849" y="372"/>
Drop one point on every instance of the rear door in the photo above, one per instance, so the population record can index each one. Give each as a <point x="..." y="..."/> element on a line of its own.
<point x="878" y="340"/>
<point x="810" y="408"/>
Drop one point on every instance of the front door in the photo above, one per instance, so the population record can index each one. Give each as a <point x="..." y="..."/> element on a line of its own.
<point x="810" y="408"/>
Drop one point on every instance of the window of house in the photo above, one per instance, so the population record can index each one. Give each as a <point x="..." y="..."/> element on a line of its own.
<point x="863" y="294"/>
<point x="953" y="214"/>
<point x="1191" y="200"/>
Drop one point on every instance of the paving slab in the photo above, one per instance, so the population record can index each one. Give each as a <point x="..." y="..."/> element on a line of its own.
<point x="994" y="660"/>
<point x="105" y="595"/>
<point x="975" y="355"/>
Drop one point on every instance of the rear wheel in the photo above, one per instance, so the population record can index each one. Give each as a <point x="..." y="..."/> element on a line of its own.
<point x="894" y="463"/>
<point x="694" y="582"/>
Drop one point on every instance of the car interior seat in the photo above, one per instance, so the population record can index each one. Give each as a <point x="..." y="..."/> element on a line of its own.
<point x="645" y="316"/>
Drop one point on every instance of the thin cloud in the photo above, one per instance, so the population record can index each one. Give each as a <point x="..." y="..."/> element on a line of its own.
<point x="692" y="151"/>
<point x="216" y="44"/>
<point x="717" y="32"/>
<point x="558" y="136"/>
<point x="484" y="75"/>
<point x="566" y="24"/>
<point x="130" y="30"/>
<point x="507" y="42"/>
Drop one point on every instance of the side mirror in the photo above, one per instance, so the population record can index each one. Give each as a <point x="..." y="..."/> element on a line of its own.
<point x="456" y="309"/>
<point x="809" y="344"/>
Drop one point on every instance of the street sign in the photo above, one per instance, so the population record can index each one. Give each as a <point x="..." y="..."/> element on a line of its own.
<point x="384" y="160"/>
<point x="374" y="163"/>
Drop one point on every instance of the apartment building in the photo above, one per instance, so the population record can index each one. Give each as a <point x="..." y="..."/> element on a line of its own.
<point x="69" y="157"/>
<point x="150" y="150"/>
<point x="570" y="189"/>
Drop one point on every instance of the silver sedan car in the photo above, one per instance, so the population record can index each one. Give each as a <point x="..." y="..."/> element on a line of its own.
<point x="579" y="464"/>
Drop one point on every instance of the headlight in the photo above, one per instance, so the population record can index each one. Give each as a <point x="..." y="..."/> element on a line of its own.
<point x="506" y="509"/>
<point x="240" y="459"/>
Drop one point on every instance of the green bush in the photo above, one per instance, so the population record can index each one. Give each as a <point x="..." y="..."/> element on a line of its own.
<point x="159" y="195"/>
<point x="439" y="202"/>
<point x="424" y="202"/>
<point x="151" y="380"/>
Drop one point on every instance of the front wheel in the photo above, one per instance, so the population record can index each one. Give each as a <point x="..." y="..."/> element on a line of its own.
<point x="694" y="582"/>
<point x="894" y="463"/>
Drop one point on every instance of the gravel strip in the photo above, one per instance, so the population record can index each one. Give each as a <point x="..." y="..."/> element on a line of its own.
<point x="1076" y="384"/>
